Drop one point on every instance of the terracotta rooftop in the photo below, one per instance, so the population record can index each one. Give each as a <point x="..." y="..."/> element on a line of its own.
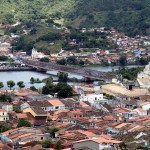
<point x="87" y="133"/>
<point x="21" y="115"/>
<point x="121" y="125"/>
<point x="55" y="102"/>
<point x="100" y="140"/>
<point x="25" y="93"/>
<point x="139" y="109"/>
<point x="122" y="110"/>
<point x="83" y="104"/>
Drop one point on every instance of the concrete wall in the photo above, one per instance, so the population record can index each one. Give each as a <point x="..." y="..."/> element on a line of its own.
<point x="7" y="107"/>
<point x="146" y="107"/>
<point x="90" y="144"/>
<point x="93" y="145"/>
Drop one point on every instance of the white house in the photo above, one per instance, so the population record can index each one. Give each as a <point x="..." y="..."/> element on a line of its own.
<point x="140" y="111"/>
<point x="93" y="98"/>
<point x="125" y="112"/>
<point x="145" y="105"/>
<point x="45" y="105"/>
<point x="3" y="115"/>
<point x="56" y="104"/>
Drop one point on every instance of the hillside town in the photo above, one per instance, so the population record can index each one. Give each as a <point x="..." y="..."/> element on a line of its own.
<point x="94" y="120"/>
<point x="114" y="115"/>
<point x="134" y="49"/>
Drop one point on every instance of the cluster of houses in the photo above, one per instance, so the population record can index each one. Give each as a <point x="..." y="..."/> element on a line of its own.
<point x="134" y="48"/>
<point x="5" y="44"/>
<point x="92" y="121"/>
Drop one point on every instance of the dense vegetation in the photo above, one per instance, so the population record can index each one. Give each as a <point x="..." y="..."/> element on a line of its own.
<point x="49" y="40"/>
<point x="62" y="89"/>
<point x="131" y="16"/>
<point x="130" y="74"/>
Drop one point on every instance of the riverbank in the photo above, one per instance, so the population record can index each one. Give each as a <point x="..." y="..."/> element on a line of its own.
<point x="100" y="65"/>
<point x="17" y="69"/>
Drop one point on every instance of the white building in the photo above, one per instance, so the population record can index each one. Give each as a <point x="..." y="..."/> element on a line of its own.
<point x="56" y="105"/>
<point x="36" y="55"/>
<point x="140" y="111"/>
<point x="3" y="115"/>
<point x="46" y="105"/>
<point x="94" y="98"/>
<point x="145" y="105"/>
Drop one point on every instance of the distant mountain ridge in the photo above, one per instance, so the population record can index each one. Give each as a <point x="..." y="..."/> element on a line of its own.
<point x="129" y="16"/>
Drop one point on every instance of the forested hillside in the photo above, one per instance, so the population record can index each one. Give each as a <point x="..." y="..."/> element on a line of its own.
<point x="130" y="16"/>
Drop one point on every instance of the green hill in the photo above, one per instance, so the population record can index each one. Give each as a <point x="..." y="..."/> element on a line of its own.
<point x="130" y="16"/>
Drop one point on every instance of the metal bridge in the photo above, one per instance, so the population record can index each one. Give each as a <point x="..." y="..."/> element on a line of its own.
<point x="85" y="72"/>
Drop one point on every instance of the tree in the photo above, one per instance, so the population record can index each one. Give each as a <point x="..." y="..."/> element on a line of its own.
<point x="16" y="109"/>
<point x="33" y="88"/>
<point x="143" y="61"/>
<point x="23" y="122"/>
<point x="46" y="143"/>
<point x="72" y="60"/>
<point x="53" y="131"/>
<point x="62" y="77"/>
<point x="81" y="63"/>
<point x="4" y="128"/>
<point x="48" y="80"/>
<point x="49" y="119"/>
<point x="5" y="98"/>
<point x="48" y="88"/>
<point x="123" y="146"/>
<point x="123" y="60"/>
<point x="62" y="62"/>
<point x="33" y="31"/>
<point x="3" y="58"/>
<point x="32" y="80"/>
<point x="58" y="145"/>
<point x="64" y="90"/>
<point x="1" y="85"/>
<point x="21" y="84"/>
<point x="44" y="59"/>
<point x="10" y="84"/>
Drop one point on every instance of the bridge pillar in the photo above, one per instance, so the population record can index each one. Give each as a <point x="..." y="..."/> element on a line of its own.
<point x="41" y="70"/>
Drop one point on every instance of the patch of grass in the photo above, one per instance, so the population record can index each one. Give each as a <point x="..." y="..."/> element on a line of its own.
<point x="2" y="32"/>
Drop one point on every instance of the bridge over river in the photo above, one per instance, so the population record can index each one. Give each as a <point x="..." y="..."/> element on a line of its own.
<point x="85" y="72"/>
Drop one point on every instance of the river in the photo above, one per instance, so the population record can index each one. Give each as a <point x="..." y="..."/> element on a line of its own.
<point x="26" y="75"/>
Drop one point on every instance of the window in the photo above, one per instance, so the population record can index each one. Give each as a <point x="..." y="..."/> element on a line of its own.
<point x="41" y="138"/>
<point x="3" y="113"/>
<point x="4" y="118"/>
<point x="56" y="107"/>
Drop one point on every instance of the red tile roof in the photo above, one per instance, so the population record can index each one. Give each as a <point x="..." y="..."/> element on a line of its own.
<point x="55" y="102"/>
